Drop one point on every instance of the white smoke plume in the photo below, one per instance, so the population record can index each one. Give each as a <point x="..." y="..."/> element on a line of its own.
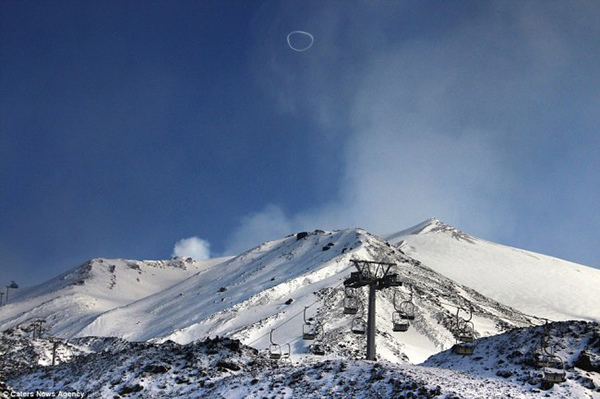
<point x="192" y="247"/>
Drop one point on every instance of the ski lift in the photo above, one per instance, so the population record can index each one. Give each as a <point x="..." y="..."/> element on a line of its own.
<point x="555" y="375"/>
<point x="553" y="365"/>
<point x="462" y="348"/>
<point x="351" y="302"/>
<point x="358" y="326"/>
<point x="275" y="352"/>
<point x="542" y="357"/>
<point x="407" y="310"/>
<point x="309" y="332"/>
<point x="390" y="280"/>
<point x="542" y="360"/>
<point x="357" y="279"/>
<point x="351" y="305"/>
<point x="286" y="355"/>
<point x="466" y="332"/>
<point x="465" y="336"/>
<point x="317" y="349"/>
<point x="399" y="323"/>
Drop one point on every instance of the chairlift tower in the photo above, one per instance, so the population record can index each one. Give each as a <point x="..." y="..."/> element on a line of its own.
<point x="377" y="276"/>
<point x="38" y="327"/>
<point x="12" y="285"/>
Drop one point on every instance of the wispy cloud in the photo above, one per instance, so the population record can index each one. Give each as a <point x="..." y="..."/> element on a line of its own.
<point x="268" y="224"/>
<point x="463" y="121"/>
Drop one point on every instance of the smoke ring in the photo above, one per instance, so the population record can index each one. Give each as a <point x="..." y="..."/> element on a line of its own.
<point x="300" y="32"/>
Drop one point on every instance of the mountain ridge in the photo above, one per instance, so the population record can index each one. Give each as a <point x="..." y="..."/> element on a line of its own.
<point x="268" y="287"/>
<point x="533" y="283"/>
<point x="247" y="296"/>
<point x="73" y="298"/>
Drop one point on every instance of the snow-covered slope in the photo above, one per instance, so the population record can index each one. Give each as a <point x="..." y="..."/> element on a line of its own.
<point x="222" y="368"/>
<point x="502" y="366"/>
<point x="511" y="356"/>
<point x="271" y="293"/>
<point x="264" y="294"/>
<point x="536" y="284"/>
<point x="70" y="301"/>
<point x="269" y="287"/>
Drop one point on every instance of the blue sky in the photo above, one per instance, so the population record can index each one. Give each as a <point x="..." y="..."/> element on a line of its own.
<point x="126" y="127"/>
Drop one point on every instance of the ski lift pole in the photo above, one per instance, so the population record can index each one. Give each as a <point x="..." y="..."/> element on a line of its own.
<point x="54" y="346"/>
<point x="377" y="279"/>
<point x="12" y="285"/>
<point x="371" y="323"/>
<point x="457" y="319"/>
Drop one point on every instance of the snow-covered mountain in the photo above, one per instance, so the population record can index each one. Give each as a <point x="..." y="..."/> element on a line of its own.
<point x="270" y="295"/>
<point x="70" y="301"/>
<point x="269" y="287"/>
<point x="278" y="284"/>
<point x="536" y="284"/>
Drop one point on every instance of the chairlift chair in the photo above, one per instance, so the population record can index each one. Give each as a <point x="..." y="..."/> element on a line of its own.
<point x="356" y="279"/>
<point x="466" y="332"/>
<point x="543" y="357"/>
<point x="356" y="275"/>
<point x="542" y="360"/>
<point x="464" y="348"/>
<point x="286" y="355"/>
<point x="394" y="280"/>
<point x="555" y="372"/>
<point x="390" y="280"/>
<point x="465" y="336"/>
<point x="317" y="349"/>
<point x="309" y="332"/>
<point x="399" y="323"/>
<point x="554" y="376"/>
<point x="358" y="326"/>
<point x="465" y="329"/>
<point x="350" y="305"/>
<point x="407" y="311"/>
<point x="275" y="352"/>
<point x="407" y="316"/>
